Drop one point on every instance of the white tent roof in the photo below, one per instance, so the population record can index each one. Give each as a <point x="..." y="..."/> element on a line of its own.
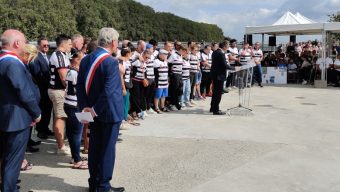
<point x="289" y="19"/>
<point x="290" y="24"/>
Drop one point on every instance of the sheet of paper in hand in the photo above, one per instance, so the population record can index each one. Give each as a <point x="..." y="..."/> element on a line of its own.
<point x="84" y="117"/>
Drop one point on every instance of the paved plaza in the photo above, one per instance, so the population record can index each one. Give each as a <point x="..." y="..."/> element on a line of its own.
<point x="290" y="143"/>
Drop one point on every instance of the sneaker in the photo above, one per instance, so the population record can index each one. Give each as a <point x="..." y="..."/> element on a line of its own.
<point x="304" y="82"/>
<point x="123" y="126"/>
<point x="234" y="87"/>
<point x="192" y="102"/>
<point x="183" y="105"/>
<point x="151" y="111"/>
<point x="187" y="104"/>
<point x="141" y="115"/>
<point x="229" y="88"/>
<point x="64" y="151"/>
<point x="145" y="114"/>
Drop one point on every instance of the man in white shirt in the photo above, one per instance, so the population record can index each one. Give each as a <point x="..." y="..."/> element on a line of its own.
<point x="328" y="65"/>
<point x="336" y="74"/>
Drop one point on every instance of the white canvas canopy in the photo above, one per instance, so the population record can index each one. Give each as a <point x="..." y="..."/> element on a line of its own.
<point x="290" y="24"/>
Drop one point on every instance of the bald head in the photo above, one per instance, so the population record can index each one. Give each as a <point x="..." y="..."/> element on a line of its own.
<point x="13" y="40"/>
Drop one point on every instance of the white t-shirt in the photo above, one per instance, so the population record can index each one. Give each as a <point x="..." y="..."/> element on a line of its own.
<point x="337" y="63"/>
<point x="258" y="55"/>
<point x="71" y="82"/>
<point x="205" y="57"/>
<point x="319" y="62"/>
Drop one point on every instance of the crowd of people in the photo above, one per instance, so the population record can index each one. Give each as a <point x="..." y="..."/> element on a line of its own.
<point x="117" y="85"/>
<point x="304" y="59"/>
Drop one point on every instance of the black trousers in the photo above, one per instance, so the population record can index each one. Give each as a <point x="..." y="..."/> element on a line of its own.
<point x="175" y="88"/>
<point x="137" y="97"/>
<point x="206" y="82"/>
<point x="46" y="110"/>
<point x="150" y="94"/>
<point x="193" y="83"/>
<point x="217" y="95"/>
<point x="12" y="151"/>
<point x="230" y="80"/>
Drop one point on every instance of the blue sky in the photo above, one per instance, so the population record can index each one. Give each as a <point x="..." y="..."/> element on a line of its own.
<point x="233" y="15"/>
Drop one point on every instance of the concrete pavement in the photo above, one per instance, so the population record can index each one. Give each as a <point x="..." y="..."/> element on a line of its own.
<point x="289" y="143"/>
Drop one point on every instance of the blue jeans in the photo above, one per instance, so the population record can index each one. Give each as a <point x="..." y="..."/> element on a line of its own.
<point x="186" y="91"/>
<point x="126" y="104"/>
<point x="257" y="74"/>
<point x="74" y="130"/>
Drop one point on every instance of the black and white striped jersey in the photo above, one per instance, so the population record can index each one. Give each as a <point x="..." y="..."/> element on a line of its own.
<point x="58" y="60"/>
<point x="206" y="57"/>
<point x="245" y="56"/>
<point x="186" y="69"/>
<point x="138" y="70"/>
<point x="233" y="52"/>
<point x="176" y="63"/>
<point x="194" y="61"/>
<point x="71" y="82"/>
<point x="161" y="73"/>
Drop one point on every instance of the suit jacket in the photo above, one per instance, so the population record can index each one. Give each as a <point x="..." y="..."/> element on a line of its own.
<point x="40" y="71"/>
<point x="19" y="96"/>
<point x="219" y="65"/>
<point x="105" y="95"/>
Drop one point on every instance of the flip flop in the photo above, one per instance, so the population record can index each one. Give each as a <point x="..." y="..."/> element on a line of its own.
<point x="27" y="167"/>
<point x="83" y="165"/>
<point x="134" y="123"/>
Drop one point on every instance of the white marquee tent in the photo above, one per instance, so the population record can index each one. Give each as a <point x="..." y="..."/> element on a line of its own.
<point x="290" y="24"/>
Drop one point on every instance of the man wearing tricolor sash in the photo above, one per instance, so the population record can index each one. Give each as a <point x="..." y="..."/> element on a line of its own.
<point x="19" y="107"/>
<point x="99" y="91"/>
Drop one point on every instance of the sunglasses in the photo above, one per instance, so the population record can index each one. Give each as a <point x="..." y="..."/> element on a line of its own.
<point x="46" y="45"/>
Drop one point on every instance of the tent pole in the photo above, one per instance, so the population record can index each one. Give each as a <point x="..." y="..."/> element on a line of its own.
<point x="262" y="40"/>
<point x="323" y="72"/>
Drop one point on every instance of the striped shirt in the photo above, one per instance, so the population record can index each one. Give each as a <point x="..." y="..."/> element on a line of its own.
<point x="245" y="56"/>
<point x="138" y="70"/>
<point x="71" y="82"/>
<point x="257" y="54"/>
<point x="161" y="72"/>
<point x="194" y="60"/>
<point x="150" y="72"/>
<point x="176" y="62"/>
<point x="233" y="52"/>
<point x="58" y="60"/>
<point x="206" y="57"/>
<point x="127" y="68"/>
<point x="186" y="69"/>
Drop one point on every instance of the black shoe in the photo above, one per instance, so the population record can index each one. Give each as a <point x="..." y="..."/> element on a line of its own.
<point x="225" y="90"/>
<point x="42" y="135"/>
<point x="33" y="143"/>
<point x="178" y="106"/>
<point x="119" y="140"/>
<point x="219" y="113"/>
<point x="118" y="189"/>
<point x="210" y="110"/>
<point x="260" y="85"/>
<point x="32" y="149"/>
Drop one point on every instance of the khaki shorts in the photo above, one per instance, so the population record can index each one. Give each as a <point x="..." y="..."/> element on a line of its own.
<point x="57" y="97"/>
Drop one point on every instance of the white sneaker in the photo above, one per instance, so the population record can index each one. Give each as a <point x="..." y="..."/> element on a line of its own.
<point x="234" y="87"/>
<point x="151" y="111"/>
<point x="145" y="114"/>
<point x="183" y="105"/>
<point x="229" y="88"/>
<point x="64" y="150"/>
<point x="142" y="115"/>
<point x="192" y="102"/>
<point x="304" y="82"/>
<point x="188" y="104"/>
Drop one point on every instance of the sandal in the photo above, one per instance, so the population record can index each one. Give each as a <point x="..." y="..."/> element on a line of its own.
<point x="158" y="111"/>
<point x="27" y="167"/>
<point x="165" y="109"/>
<point x="85" y="151"/>
<point x="82" y="159"/>
<point x="134" y="123"/>
<point x="80" y="165"/>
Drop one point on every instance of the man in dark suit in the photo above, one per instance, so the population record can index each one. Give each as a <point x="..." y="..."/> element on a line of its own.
<point x="19" y="107"/>
<point x="99" y="91"/>
<point x="41" y="73"/>
<point x="218" y="71"/>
